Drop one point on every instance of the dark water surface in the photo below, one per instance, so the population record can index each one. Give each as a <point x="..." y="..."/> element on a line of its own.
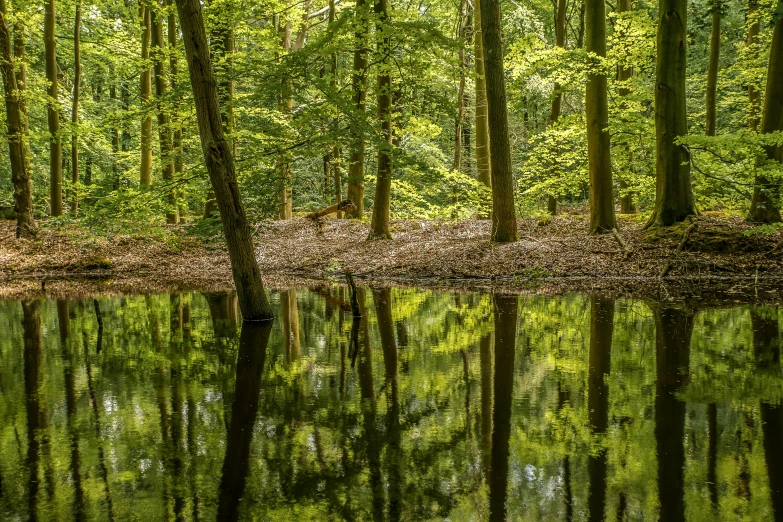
<point x="433" y="406"/>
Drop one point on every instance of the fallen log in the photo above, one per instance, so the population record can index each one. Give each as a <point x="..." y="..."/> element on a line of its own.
<point x="345" y="205"/>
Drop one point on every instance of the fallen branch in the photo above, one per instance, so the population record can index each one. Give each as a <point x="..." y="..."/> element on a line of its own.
<point x="684" y="240"/>
<point x="344" y="206"/>
<point x="619" y="239"/>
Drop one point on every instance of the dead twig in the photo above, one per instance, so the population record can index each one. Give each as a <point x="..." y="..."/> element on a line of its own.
<point x="619" y="239"/>
<point x="684" y="240"/>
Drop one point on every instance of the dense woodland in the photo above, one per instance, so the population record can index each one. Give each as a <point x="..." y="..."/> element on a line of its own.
<point x="429" y="110"/>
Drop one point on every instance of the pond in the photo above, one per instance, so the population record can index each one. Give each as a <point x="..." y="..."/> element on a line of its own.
<point x="432" y="406"/>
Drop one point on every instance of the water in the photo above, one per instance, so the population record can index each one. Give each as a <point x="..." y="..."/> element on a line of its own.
<point x="433" y="406"/>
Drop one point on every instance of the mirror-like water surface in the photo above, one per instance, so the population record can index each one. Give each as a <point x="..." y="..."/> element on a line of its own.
<point x="431" y="406"/>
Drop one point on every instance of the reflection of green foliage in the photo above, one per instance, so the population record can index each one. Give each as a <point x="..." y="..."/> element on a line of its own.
<point x="313" y="439"/>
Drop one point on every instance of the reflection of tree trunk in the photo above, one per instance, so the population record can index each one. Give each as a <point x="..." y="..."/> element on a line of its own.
<point x="766" y="349"/>
<point x="369" y="407"/>
<point x="250" y="365"/>
<point x="505" y="316"/>
<point x="290" y="316"/>
<point x="394" y="454"/>
<point x="673" y="329"/>
<point x="485" y="360"/>
<point x="601" y="326"/>
<point x="37" y="419"/>
<point x="177" y="451"/>
<point x="712" y="453"/>
<point x="562" y="399"/>
<point x="70" y="408"/>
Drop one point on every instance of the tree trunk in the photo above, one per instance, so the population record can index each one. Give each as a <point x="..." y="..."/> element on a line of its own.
<point x="179" y="168"/>
<point x="164" y="122"/>
<point x="754" y="95"/>
<point x="482" y="125"/>
<point x="673" y="192"/>
<point x="463" y="19"/>
<point x="145" y="178"/>
<point x="765" y="205"/>
<point x="557" y="100"/>
<point x="712" y="69"/>
<point x="77" y="80"/>
<point x="379" y="227"/>
<point x="220" y="165"/>
<point x="285" y="105"/>
<point x="20" y="166"/>
<point x="504" y="221"/>
<point x="602" y="218"/>
<point x="115" y="140"/>
<point x="336" y="151"/>
<point x="627" y="204"/>
<point x="356" y="164"/>
<point x="53" y="111"/>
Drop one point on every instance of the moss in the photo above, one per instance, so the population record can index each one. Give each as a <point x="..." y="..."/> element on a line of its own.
<point x="658" y="234"/>
<point x="95" y="262"/>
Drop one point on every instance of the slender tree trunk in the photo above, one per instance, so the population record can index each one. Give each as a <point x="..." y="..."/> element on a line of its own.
<point x="504" y="221"/>
<point x="115" y="140"/>
<point x="220" y="164"/>
<point x="379" y="228"/>
<point x="336" y="150"/>
<point x="712" y="69"/>
<point x="20" y="166"/>
<point x="179" y="167"/>
<point x="145" y="178"/>
<point x="77" y="80"/>
<point x="754" y="95"/>
<point x="482" y="124"/>
<point x="164" y="127"/>
<point x="463" y="27"/>
<point x="580" y="37"/>
<point x="356" y="164"/>
<point x="627" y="203"/>
<point x="765" y="205"/>
<point x="53" y="104"/>
<point x="602" y="218"/>
<point x="557" y="100"/>
<point x="285" y="105"/>
<point x="673" y="192"/>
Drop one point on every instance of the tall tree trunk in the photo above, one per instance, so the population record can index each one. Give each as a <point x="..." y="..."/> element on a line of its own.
<point x="765" y="206"/>
<point x="462" y="35"/>
<point x="580" y="36"/>
<point x="673" y="192"/>
<point x="77" y="81"/>
<point x="179" y="167"/>
<point x="145" y="178"/>
<point x="712" y="69"/>
<point x="220" y="165"/>
<point x="504" y="220"/>
<point x="164" y="127"/>
<point x="53" y="111"/>
<point x="557" y="100"/>
<point x="115" y="140"/>
<point x="356" y="164"/>
<point x="20" y="166"/>
<point x="336" y="150"/>
<point x="602" y="218"/>
<point x="483" y="162"/>
<point x="627" y="204"/>
<point x="379" y="227"/>
<point x="285" y="105"/>
<point x="754" y="95"/>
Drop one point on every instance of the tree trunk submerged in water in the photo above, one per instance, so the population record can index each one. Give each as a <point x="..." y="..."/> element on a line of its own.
<point x="504" y="220"/>
<point x="220" y="165"/>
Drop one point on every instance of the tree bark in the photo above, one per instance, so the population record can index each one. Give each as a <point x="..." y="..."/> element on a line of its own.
<point x="483" y="162"/>
<point x="356" y="164"/>
<point x="765" y="205"/>
<point x="77" y="80"/>
<point x="179" y="167"/>
<point x="15" y="130"/>
<point x="712" y="69"/>
<point x="115" y="140"/>
<point x="673" y="192"/>
<point x="602" y="218"/>
<point x="145" y="177"/>
<point x="754" y="95"/>
<point x="627" y="203"/>
<point x="164" y="122"/>
<point x="285" y="105"/>
<point x="557" y="100"/>
<point x="379" y="227"/>
<point x="463" y="26"/>
<point x="53" y="112"/>
<point x="220" y="165"/>
<point x="336" y="150"/>
<point x="504" y="221"/>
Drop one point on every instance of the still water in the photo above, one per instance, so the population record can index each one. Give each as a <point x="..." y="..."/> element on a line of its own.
<point x="432" y="406"/>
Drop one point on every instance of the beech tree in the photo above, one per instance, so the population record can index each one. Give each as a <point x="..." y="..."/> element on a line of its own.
<point x="53" y="105"/>
<point x="220" y="164"/>
<point x="359" y="84"/>
<point x="712" y="71"/>
<point x="482" y="124"/>
<point x="145" y="174"/>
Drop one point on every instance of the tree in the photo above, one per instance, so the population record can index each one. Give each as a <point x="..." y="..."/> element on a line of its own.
<point x="53" y="112"/>
<point x="765" y="205"/>
<point x="673" y="192"/>
<point x="602" y="217"/>
<point x="359" y="81"/>
<point x="379" y="228"/>
<point x="712" y="70"/>
<point x="336" y="150"/>
<point x="77" y="80"/>
<point x="145" y="177"/>
<point x="220" y="164"/>
<point x="20" y="167"/>
<point x="557" y="100"/>
<point x="504" y="221"/>
<point x="482" y="124"/>
<point x="627" y="204"/>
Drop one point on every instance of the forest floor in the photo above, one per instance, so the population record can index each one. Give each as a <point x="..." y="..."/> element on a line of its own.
<point x="718" y="257"/>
